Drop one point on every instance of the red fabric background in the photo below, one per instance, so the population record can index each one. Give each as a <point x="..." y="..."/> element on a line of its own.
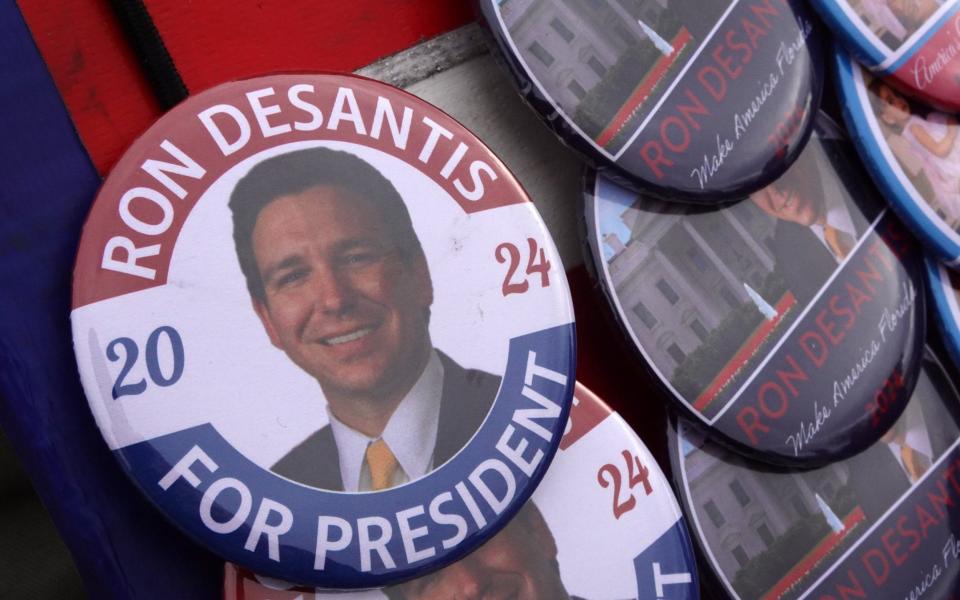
<point x="212" y="42"/>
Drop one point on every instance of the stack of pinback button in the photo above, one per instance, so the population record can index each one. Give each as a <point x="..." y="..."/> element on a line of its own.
<point x="603" y="523"/>
<point x="326" y="333"/>
<point x="785" y="321"/>
<point x="786" y="347"/>
<point x="881" y="524"/>
<point x="760" y="322"/>
<point x="898" y="78"/>
<point x="275" y="245"/>
<point x="899" y="82"/>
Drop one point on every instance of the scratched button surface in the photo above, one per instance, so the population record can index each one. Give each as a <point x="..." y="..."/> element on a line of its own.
<point x="691" y="100"/>
<point x="914" y="44"/>
<point x="603" y="523"/>
<point x="323" y="329"/>
<point x="882" y="524"/>
<point x="790" y="322"/>
<point x="912" y="152"/>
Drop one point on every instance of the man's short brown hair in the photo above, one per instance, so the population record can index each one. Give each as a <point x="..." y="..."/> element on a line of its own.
<point x="296" y="172"/>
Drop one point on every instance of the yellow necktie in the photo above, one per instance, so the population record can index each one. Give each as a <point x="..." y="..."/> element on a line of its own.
<point x="383" y="465"/>
<point x="840" y="243"/>
<point x="915" y="461"/>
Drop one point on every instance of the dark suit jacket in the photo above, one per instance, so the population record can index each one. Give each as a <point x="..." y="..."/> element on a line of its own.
<point x="878" y="477"/>
<point x="940" y="422"/>
<point x="465" y="401"/>
<point x="878" y="480"/>
<point x="802" y="259"/>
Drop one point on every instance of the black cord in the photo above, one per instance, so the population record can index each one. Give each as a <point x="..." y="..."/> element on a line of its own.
<point x="147" y="44"/>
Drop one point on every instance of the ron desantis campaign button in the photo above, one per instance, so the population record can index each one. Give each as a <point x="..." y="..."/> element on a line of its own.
<point x="882" y="524"/>
<point x="945" y="293"/>
<point x="604" y="523"/>
<point x="791" y="321"/>
<point x="913" y="43"/>
<point x="692" y="100"/>
<point x="323" y="329"/>
<point x="912" y="152"/>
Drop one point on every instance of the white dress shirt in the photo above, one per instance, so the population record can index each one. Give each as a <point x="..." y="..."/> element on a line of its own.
<point x="411" y="434"/>
<point x="916" y="437"/>
<point x="838" y="217"/>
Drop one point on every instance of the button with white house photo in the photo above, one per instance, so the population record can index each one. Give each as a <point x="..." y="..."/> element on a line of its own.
<point x="692" y="100"/>
<point x="604" y="523"/>
<point x="882" y="524"/>
<point x="780" y="320"/>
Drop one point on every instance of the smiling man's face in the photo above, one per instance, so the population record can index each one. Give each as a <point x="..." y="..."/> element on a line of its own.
<point x="786" y="203"/>
<point x="340" y="298"/>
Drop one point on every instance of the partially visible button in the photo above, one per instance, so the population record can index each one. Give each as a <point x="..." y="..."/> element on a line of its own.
<point x="910" y="150"/>
<point x="691" y="100"/>
<point x="882" y="524"/>
<point x="323" y="329"/>
<point x="779" y="320"/>
<point x="913" y="43"/>
<point x="603" y="523"/>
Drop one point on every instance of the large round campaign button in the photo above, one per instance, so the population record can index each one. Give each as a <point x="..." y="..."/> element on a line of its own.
<point x="882" y="524"/>
<point x="604" y="523"/>
<point x="915" y="44"/>
<point x="790" y="322"/>
<point x="912" y="152"/>
<point x="945" y="293"/>
<point x="324" y="329"/>
<point x="685" y="99"/>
